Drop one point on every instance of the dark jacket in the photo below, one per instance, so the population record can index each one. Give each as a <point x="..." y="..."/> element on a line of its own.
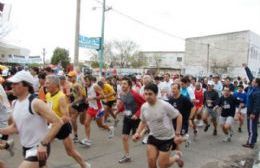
<point x="254" y="106"/>
<point x="250" y="90"/>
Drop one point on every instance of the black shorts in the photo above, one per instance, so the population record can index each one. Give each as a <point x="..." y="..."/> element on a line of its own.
<point x="64" y="131"/>
<point x="4" y="137"/>
<point x="80" y="107"/>
<point x="109" y="103"/>
<point x="184" y="128"/>
<point x="161" y="145"/>
<point x="34" y="158"/>
<point x="130" y="125"/>
<point x="174" y="145"/>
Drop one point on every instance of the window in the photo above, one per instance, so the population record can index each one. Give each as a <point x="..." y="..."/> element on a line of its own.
<point x="179" y="59"/>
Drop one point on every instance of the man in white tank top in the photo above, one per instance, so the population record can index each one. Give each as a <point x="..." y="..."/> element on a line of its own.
<point x="31" y="125"/>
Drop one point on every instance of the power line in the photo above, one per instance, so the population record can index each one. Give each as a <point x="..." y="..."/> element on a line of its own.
<point x="163" y="31"/>
<point x="142" y="23"/>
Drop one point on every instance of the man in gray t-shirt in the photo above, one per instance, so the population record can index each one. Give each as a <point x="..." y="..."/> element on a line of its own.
<point x="157" y="115"/>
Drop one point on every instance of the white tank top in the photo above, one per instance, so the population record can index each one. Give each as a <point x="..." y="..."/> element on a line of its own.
<point x="92" y="93"/>
<point x="32" y="128"/>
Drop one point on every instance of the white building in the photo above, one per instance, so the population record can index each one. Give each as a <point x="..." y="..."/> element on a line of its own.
<point x="223" y="53"/>
<point x="165" y="61"/>
<point x="13" y="54"/>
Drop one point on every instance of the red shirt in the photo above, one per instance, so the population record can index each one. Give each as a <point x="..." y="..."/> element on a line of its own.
<point x="199" y="96"/>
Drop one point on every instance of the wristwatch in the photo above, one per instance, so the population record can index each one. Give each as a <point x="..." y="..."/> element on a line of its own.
<point x="43" y="144"/>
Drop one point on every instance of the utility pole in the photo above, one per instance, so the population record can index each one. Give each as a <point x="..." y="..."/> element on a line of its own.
<point x="43" y="55"/>
<point x="101" y="50"/>
<point x="77" y="30"/>
<point x="208" y="66"/>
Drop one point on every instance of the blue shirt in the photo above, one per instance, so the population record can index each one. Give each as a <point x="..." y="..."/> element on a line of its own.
<point x="242" y="97"/>
<point x="185" y="93"/>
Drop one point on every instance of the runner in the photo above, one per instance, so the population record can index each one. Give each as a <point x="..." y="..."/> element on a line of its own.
<point x="186" y="90"/>
<point x="158" y="115"/>
<point x="30" y="119"/>
<point x="109" y="100"/>
<point x="166" y="87"/>
<point x="146" y="80"/>
<point x="42" y="89"/>
<point x="130" y="103"/>
<point x="228" y="104"/>
<point x="65" y="86"/>
<point x="5" y="112"/>
<point x="199" y="97"/>
<point x="185" y="107"/>
<point x="77" y="102"/>
<point x="36" y="84"/>
<point x="210" y="99"/>
<point x="240" y="112"/>
<point x="57" y="101"/>
<point x="95" y="109"/>
<point x="217" y="85"/>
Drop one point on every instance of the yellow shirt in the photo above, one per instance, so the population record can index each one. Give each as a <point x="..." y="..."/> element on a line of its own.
<point x="108" y="89"/>
<point x="53" y="102"/>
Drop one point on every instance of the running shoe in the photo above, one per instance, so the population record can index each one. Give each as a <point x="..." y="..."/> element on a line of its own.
<point x="200" y="123"/>
<point x="227" y="139"/>
<point x="206" y="128"/>
<point x="86" y="142"/>
<point x="215" y="133"/>
<point x="76" y="139"/>
<point x="125" y="159"/>
<point x="248" y="146"/>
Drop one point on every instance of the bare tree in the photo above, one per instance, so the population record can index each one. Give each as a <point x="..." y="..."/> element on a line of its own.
<point x="123" y="54"/>
<point x="157" y="59"/>
<point x="124" y="51"/>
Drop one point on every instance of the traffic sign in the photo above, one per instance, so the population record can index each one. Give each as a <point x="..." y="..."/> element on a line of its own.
<point x="89" y="42"/>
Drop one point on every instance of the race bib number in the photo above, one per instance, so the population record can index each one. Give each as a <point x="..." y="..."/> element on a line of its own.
<point x="127" y="113"/>
<point x="209" y="103"/>
<point x="226" y="106"/>
<point x="31" y="152"/>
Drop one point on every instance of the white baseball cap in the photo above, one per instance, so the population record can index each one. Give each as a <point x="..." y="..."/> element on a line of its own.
<point x="21" y="76"/>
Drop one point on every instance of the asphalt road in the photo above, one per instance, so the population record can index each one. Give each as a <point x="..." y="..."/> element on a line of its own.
<point x="207" y="151"/>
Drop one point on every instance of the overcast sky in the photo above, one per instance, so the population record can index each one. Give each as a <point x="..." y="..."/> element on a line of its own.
<point x="47" y="24"/>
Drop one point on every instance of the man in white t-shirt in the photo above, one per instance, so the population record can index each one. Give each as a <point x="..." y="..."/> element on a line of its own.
<point x="157" y="115"/>
<point x="166" y="87"/>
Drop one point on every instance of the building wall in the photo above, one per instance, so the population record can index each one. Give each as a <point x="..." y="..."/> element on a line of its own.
<point x="13" y="54"/>
<point x="172" y="60"/>
<point x="225" y="54"/>
<point x="254" y="53"/>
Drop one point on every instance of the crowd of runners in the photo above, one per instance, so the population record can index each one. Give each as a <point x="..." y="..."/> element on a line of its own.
<point x="163" y="112"/>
